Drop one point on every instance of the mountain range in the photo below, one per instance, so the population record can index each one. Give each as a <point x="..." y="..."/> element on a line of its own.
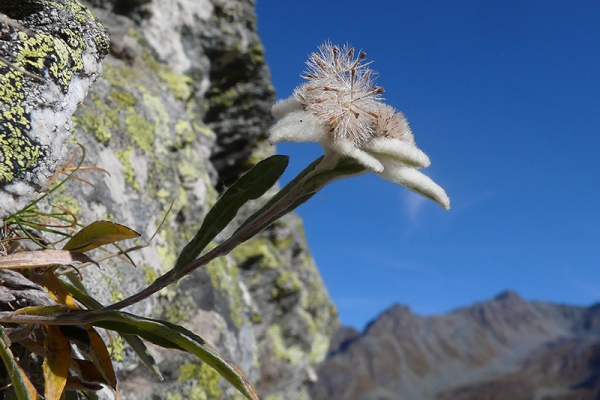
<point x="504" y="348"/>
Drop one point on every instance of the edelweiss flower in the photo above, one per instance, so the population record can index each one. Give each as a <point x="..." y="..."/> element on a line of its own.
<point x="340" y="107"/>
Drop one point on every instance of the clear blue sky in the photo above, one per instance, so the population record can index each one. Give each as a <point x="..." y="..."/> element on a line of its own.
<point x="504" y="96"/>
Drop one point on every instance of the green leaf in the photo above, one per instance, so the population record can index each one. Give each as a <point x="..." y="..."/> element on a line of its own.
<point x="23" y="386"/>
<point x="101" y="358"/>
<point x="306" y="187"/>
<point x="250" y="186"/>
<point x="161" y="333"/>
<point x="169" y="335"/>
<point x="135" y="342"/>
<point x="142" y="351"/>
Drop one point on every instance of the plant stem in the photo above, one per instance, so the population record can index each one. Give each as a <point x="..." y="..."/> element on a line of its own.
<point x="246" y="232"/>
<point x="312" y="179"/>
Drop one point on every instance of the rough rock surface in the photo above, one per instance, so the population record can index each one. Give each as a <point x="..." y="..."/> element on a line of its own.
<point x="506" y="348"/>
<point x="62" y="51"/>
<point x="181" y="111"/>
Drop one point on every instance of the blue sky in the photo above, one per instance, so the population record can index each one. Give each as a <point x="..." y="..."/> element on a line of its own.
<point x="504" y="97"/>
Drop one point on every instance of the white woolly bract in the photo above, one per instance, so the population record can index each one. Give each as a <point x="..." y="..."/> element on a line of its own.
<point x="406" y="152"/>
<point x="283" y="107"/>
<point x="411" y="178"/>
<point x="298" y="126"/>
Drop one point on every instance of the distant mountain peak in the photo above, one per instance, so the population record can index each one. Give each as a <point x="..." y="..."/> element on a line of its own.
<point x="483" y="351"/>
<point x="508" y="295"/>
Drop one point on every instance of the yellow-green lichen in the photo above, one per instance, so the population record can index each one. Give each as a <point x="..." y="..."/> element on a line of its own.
<point x="68" y="202"/>
<point x="163" y="194"/>
<point x="102" y="43"/>
<point x="286" y="283"/>
<point x="140" y="131"/>
<point x="224" y="277"/>
<point x="187" y="165"/>
<point x="113" y="282"/>
<point x="184" y="132"/>
<point x="292" y="354"/>
<point x="319" y="348"/>
<point x="119" y="75"/>
<point x="237" y="396"/>
<point x="123" y="98"/>
<point x="256" y="318"/>
<point x="258" y="249"/>
<point x="179" y="310"/>
<point x="116" y="295"/>
<point x="166" y="250"/>
<point x="57" y="58"/>
<point x="150" y="274"/>
<point x="224" y="99"/>
<point x="196" y="393"/>
<point x="17" y="151"/>
<point x="147" y="56"/>
<point x="257" y="53"/>
<point x="175" y="396"/>
<point x="94" y="124"/>
<point x="66" y="56"/>
<point x="208" y="379"/>
<point x="203" y="129"/>
<point x="178" y="84"/>
<point x="116" y="348"/>
<point x="124" y="156"/>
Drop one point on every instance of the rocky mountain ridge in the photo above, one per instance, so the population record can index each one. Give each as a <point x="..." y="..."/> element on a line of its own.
<point x="505" y="348"/>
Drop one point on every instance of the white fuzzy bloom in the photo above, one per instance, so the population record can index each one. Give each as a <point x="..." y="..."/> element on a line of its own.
<point x="340" y="107"/>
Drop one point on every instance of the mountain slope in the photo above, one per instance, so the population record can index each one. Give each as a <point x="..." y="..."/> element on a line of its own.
<point x="505" y="348"/>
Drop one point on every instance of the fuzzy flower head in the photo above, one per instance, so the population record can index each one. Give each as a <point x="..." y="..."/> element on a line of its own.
<point x="341" y="108"/>
<point x="340" y="93"/>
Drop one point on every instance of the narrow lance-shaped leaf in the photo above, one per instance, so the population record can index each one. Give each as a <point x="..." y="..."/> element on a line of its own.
<point x="135" y="342"/>
<point x="250" y="186"/>
<point x="305" y="186"/>
<point x="57" y="363"/>
<point x="42" y="258"/>
<point x="88" y="372"/>
<point x="98" y="234"/>
<point x="294" y="183"/>
<point x="101" y="358"/>
<point x="166" y="335"/>
<point x="23" y="386"/>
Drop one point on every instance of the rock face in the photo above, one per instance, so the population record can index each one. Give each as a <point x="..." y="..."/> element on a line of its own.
<point x="180" y="111"/>
<point x="506" y="348"/>
<point x="52" y="67"/>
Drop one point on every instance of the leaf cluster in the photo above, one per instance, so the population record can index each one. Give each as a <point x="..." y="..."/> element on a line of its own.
<point x="55" y="319"/>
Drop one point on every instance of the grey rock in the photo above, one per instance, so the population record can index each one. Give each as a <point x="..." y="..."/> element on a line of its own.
<point x="180" y="112"/>
<point x="64" y="49"/>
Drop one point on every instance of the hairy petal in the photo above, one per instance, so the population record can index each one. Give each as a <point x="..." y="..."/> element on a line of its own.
<point x="286" y="106"/>
<point x="414" y="180"/>
<point x="349" y="149"/>
<point x="406" y="152"/>
<point x="298" y="126"/>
